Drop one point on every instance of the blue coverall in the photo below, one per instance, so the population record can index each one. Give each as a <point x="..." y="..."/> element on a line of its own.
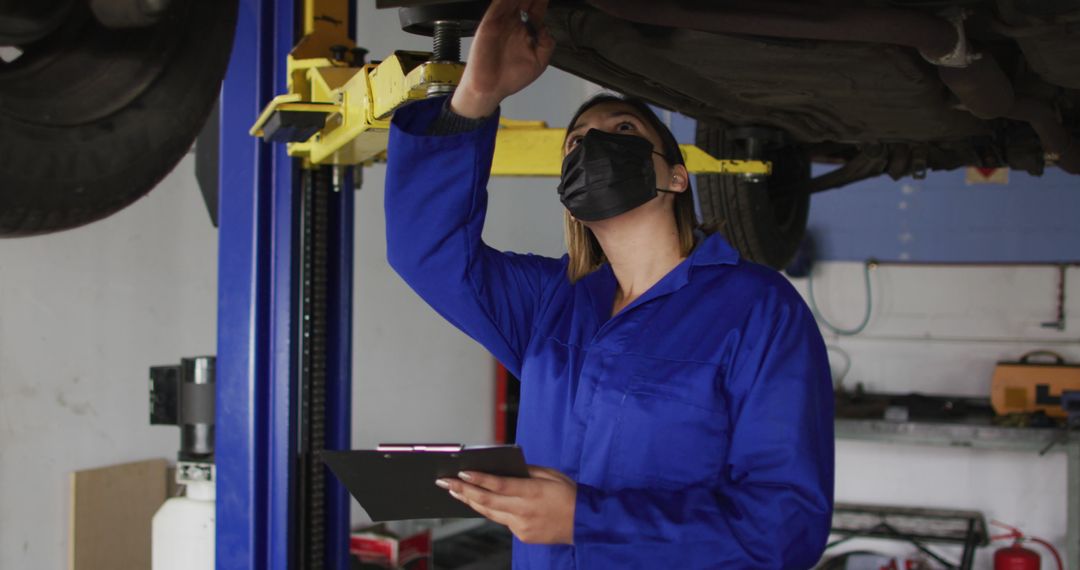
<point x="697" y="422"/>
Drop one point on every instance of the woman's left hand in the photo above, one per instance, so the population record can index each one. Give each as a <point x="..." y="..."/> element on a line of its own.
<point x="538" y="510"/>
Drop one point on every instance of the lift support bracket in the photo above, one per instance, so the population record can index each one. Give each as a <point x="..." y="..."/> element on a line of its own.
<point x="338" y="110"/>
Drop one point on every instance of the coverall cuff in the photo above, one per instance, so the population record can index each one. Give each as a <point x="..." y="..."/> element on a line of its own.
<point x="451" y="123"/>
<point x="422" y="118"/>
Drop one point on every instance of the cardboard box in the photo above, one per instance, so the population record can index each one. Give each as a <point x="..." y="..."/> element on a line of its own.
<point x="378" y="547"/>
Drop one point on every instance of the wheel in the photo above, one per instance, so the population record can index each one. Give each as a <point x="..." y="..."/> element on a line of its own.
<point x="92" y="118"/>
<point x="765" y="220"/>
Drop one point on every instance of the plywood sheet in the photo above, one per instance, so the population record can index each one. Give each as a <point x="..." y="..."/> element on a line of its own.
<point x="111" y="510"/>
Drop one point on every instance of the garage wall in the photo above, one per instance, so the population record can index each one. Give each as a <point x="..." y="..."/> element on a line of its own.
<point x="83" y="315"/>
<point x="940" y="330"/>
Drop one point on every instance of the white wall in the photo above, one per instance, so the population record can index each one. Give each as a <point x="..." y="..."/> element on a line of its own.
<point x="83" y="315"/>
<point x="942" y="328"/>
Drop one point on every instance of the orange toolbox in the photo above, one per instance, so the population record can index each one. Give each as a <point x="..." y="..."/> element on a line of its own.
<point x="1030" y="386"/>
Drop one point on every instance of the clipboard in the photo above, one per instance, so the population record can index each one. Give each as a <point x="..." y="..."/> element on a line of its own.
<point x="397" y="481"/>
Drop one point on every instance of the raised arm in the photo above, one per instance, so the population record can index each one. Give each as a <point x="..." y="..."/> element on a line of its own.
<point x="508" y="53"/>
<point x="436" y="195"/>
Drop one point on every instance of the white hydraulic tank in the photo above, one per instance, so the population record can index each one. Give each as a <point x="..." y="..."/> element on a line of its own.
<point x="183" y="530"/>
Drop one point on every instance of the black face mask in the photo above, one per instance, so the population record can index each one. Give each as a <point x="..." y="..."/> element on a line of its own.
<point x="606" y="175"/>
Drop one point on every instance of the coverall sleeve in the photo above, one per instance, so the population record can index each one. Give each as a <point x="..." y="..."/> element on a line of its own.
<point x="435" y="203"/>
<point x="771" y="507"/>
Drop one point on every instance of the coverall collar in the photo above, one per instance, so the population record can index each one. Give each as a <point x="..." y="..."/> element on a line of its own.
<point x="601" y="284"/>
<point x="714" y="250"/>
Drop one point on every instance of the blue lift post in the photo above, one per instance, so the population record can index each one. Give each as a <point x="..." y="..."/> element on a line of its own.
<point x="258" y="309"/>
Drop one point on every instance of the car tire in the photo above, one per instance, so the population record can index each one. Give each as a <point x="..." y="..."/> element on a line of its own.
<point x="60" y="172"/>
<point x="764" y="220"/>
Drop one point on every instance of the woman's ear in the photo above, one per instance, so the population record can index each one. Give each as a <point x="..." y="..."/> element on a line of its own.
<point x="680" y="178"/>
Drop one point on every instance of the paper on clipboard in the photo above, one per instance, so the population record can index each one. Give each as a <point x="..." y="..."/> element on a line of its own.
<point x="400" y="484"/>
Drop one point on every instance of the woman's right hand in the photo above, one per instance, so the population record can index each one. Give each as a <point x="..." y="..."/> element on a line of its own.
<point x="506" y="56"/>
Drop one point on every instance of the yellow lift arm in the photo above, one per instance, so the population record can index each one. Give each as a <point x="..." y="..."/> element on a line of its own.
<point x="531" y="148"/>
<point x="338" y="109"/>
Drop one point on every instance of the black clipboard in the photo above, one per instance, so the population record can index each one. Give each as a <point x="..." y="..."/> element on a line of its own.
<point x="397" y="482"/>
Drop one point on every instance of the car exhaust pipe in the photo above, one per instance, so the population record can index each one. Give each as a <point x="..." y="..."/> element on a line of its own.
<point x="976" y="79"/>
<point x="1056" y="140"/>
<point x="987" y="93"/>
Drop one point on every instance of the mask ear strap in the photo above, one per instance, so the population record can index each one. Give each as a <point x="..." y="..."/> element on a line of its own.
<point x="663" y="156"/>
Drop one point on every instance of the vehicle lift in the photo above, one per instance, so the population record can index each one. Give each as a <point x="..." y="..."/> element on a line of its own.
<point x="285" y="270"/>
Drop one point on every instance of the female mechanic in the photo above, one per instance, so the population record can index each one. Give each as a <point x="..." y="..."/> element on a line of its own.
<point x="676" y="402"/>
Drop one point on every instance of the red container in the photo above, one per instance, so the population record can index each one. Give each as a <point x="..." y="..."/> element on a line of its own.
<point x="1016" y="557"/>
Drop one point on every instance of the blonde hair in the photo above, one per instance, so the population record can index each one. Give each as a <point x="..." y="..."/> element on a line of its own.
<point x="584" y="249"/>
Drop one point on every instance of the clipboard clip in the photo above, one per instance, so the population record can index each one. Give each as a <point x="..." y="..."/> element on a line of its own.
<point x="440" y="447"/>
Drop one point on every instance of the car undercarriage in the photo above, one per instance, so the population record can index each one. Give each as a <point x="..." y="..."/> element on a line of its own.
<point x="871" y="87"/>
<point x="845" y="99"/>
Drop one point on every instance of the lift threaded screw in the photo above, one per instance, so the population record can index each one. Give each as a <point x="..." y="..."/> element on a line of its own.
<point x="447" y="41"/>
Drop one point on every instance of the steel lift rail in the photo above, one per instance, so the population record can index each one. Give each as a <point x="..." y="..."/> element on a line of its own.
<point x="285" y="261"/>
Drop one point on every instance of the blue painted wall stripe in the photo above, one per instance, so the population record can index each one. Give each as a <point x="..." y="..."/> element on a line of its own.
<point x="941" y="219"/>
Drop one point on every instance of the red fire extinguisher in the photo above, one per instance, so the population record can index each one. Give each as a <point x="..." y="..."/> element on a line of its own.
<point x="1015" y="556"/>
